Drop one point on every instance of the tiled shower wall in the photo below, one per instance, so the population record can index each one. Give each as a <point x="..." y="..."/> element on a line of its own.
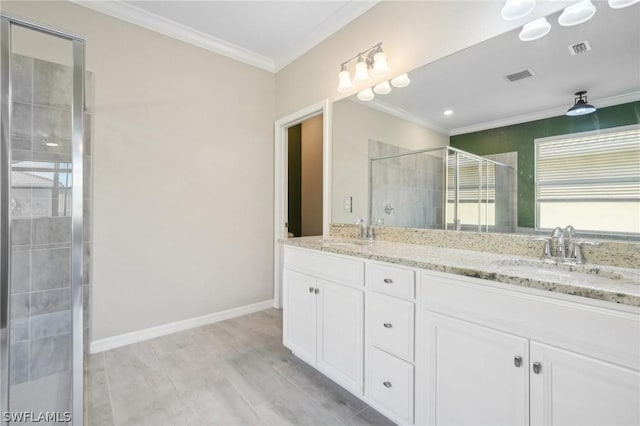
<point x="412" y="185"/>
<point x="40" y="332"/>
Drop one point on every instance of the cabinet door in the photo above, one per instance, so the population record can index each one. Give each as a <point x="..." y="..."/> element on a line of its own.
<point x="299" y="319"/>
<point x="341" y="334"/>
<point x="571" y="389"/>
<point x="473" y="375"/>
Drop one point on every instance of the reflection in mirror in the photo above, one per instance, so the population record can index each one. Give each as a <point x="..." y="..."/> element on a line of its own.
<point x="502" y="99"/>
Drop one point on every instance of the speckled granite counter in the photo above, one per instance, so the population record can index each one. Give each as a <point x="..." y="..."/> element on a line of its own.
<point x="609" y="283"/>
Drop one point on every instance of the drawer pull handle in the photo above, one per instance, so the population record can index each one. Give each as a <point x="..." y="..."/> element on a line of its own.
<point x="387" y="325"/>
<point x="388" y="281"/>
<point x="537" y="367"/>
<point x="310" y="289"/>
<point x="387" y="384"/>
<point x="317" y="290"/>
<point x="517" y="360"/>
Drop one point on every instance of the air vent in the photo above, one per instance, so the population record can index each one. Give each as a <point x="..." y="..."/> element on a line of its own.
<point x="520" y="75"/>
<point x="579" y="48"/>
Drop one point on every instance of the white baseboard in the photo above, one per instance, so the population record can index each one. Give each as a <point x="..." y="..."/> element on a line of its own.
<point x="112" y="342"/>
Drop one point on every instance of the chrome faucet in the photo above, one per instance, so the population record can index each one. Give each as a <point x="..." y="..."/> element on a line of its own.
<point x="364" y="232"/>
<point x="558" y="233"/>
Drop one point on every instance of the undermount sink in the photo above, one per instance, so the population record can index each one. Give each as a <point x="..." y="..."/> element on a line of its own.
<point x="557" y="267"/>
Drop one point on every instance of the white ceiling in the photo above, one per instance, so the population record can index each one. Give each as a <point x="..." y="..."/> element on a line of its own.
<point x="472" y="83"/>
<point x="266" y="34"/>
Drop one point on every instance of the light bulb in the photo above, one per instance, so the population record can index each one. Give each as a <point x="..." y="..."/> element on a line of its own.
<point x="362" y="71"/>
<point x="535" y="30"/>
<point x="366" y="95"/>
<point x="619" y="4"/>
<point x="516" y="9"/>
<point x="577" y="13"/>
<point x="380" y="65"/>
<point x="382" y="88"/>
<point x="344" y="83"/>
<point x="400" y="81"/>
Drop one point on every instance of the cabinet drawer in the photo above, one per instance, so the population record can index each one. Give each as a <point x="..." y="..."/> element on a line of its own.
<point x="390" y="384"/>
<point x="391" y="280"/>
<point x="325" y="266"/>
<point x="391" y="324"/>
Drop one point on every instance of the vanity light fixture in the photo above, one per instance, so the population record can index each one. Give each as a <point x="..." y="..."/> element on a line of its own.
<point x="619" y="4"/>
<point x="535" y="30"/>
<point x="400" y="81"/>
<point x="373" y="58"/>
<point x="577" y="13"/>
<point x="516" y="9"/>
<point x="580" y="106"/>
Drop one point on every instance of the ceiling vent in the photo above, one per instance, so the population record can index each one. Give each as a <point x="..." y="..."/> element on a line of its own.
<point x="579" y="48"/>
<point x="526" y="73"/>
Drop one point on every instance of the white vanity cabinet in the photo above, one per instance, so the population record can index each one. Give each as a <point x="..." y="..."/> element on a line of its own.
<point x="323" y="321"/>
<point x="495" y="355"/>
<point x="390" y="355"/>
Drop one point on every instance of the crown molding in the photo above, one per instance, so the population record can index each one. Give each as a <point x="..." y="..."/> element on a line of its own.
<point x="159" y="24"/>
<point x="400" y="113"/>
<point x="539" y="115"/>
<point x="326" y="29"/>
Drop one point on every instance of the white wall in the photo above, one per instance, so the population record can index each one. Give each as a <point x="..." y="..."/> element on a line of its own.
<point x="312" y="176"/>
<point x="183" y="173"/>
<point x="354" y="124"/>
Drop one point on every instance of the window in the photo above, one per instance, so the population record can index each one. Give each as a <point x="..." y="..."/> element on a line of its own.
<point x="589" y="180"/>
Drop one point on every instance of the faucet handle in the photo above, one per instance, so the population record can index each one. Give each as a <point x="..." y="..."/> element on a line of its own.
<point x="546" y="252"/>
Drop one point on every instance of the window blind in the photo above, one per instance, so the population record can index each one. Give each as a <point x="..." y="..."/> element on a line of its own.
<point x="597" y="167"/>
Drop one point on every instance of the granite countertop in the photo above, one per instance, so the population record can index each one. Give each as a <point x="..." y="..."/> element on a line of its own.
<point x="609" y="283"/>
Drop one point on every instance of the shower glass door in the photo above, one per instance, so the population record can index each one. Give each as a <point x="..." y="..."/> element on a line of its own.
<point x="41" y="210"/>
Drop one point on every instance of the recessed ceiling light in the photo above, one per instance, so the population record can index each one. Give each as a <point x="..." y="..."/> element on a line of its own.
<point x="448" y="112"/>
<point x="53" y="144"/>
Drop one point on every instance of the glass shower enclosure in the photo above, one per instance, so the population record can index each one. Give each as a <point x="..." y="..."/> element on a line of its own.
<point x="442" y="188"/>
<point x="41" y="224"/>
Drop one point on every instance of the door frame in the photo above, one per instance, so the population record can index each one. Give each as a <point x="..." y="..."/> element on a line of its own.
<point x="280" y="182"/>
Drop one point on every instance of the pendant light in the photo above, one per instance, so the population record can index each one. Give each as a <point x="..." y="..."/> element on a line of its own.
<point x="380" y="65"/>
<point x="400" y="81"/>
<point x="366" y="95"/>
<point x="344" y="83"/>
<point x="362" y="71"/>
<point x="577" y="13"/>
<point x="535" y="30"/>
<point x="619" y="4"/>
<point x="516" y="9"/>
<point x="581" y="106"/>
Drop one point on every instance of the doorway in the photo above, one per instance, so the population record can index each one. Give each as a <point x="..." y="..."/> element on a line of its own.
<point x="304" y="178"/>
<point x="281" y="190"/>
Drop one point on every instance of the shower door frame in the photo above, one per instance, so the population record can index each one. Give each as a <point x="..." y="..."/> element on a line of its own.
<point x="77" y="132"/>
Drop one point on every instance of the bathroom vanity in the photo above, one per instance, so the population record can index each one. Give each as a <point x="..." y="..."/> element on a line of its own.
<point x="430" y="335"/>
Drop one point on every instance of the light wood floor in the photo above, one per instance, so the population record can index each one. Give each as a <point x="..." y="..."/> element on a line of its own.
<point x="234" y="372"/>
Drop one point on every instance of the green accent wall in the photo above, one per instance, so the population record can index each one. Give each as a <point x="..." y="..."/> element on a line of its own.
<point x="520" y="138"/>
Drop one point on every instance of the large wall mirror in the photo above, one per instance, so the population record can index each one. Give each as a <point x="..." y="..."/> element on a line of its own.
<point x="503" y="100"/>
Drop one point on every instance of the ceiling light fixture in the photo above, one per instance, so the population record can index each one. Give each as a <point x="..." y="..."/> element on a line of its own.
<point x="535" y="30"/>
<point x="51" y="144"/>
<point x="373" y="58"/>
<point x="581" y="106"/>
<point x="448" y="112"/>
<point x="577" y="13"/>
<point x="516" y="9"/>
<point x="619" y="4"/>
<point x="400" y="81"/>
